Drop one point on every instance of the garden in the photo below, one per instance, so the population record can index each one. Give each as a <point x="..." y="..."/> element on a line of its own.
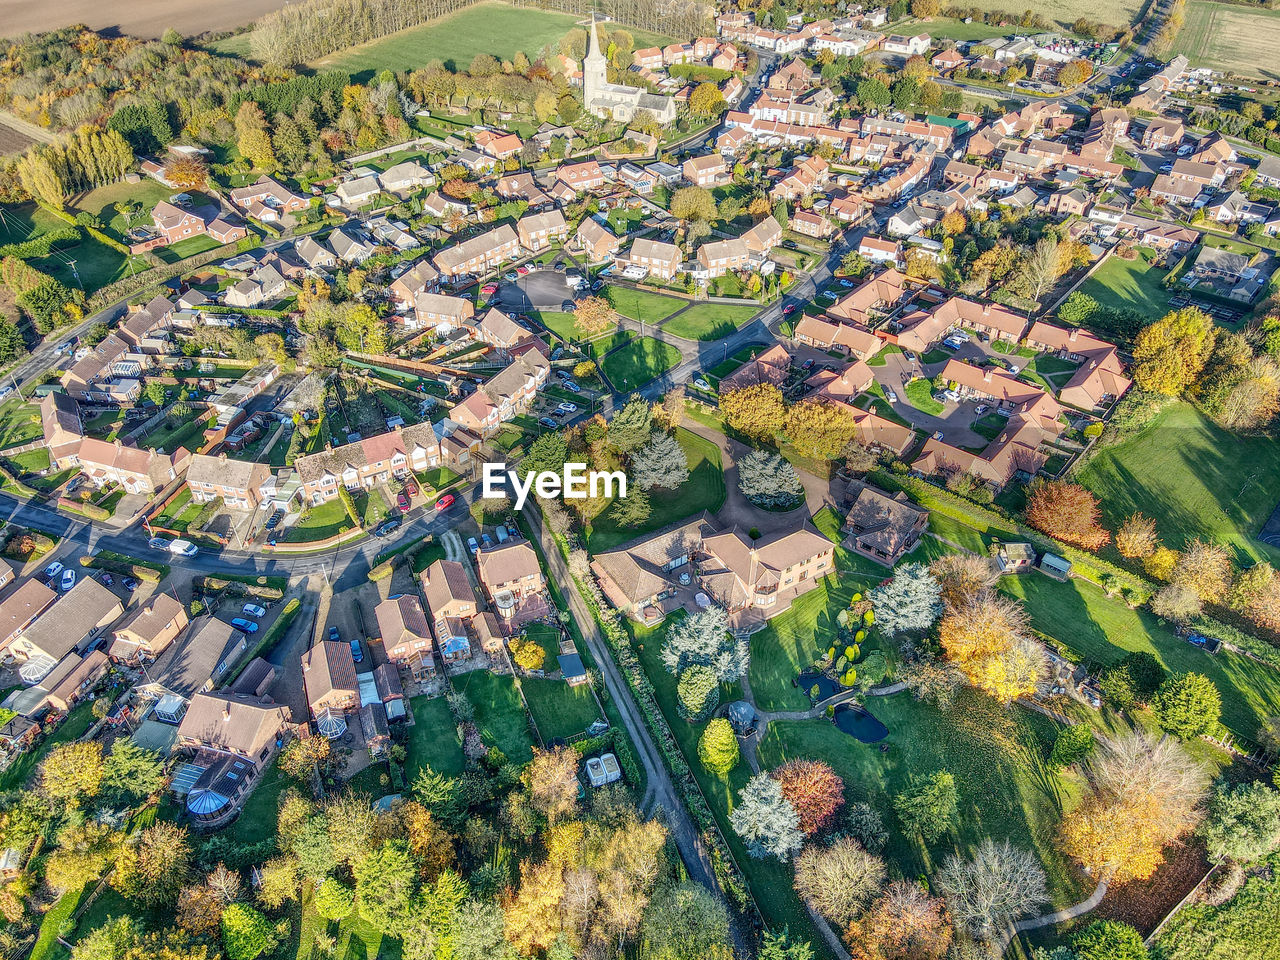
<point x="1130" y="284"/>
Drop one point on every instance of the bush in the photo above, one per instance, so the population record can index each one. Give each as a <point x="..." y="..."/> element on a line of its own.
<point x="246" y="933"/>
<point x="1108" y="940"/>
<point x="1072" y="745"/>
<point x="718" y="748"/>
<point x="1132" y="681"/>
<point x="1187" y="705"/>
<point x="527" y="653"/>
<point x="697" y="693"/>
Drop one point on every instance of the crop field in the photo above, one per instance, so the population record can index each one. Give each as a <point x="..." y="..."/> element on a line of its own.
<point x="1228" y="37"/>
<point x="139" y="18"/>
<point x="494" y="28"/>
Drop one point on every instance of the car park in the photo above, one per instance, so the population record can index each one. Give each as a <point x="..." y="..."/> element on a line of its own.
<point x="246" y="626"/>
<point x="254" y="610"/>
<point x="68" y="579"/>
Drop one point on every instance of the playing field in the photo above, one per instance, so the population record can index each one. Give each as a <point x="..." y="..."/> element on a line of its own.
<point x="495" y="28"/>
<point x="1228" y="37"/>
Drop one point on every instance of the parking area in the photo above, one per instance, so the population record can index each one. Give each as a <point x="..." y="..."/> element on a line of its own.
<point x="537" y="290"/>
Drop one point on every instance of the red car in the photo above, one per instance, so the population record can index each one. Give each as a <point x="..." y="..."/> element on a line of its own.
<point x="489" y="289"/>
<point x="522" y="271"/>
<point x="402" y="501"/>
<point x="445" y="502"/>
<point x="411" y="488"/>
<point x="790" y="308"/>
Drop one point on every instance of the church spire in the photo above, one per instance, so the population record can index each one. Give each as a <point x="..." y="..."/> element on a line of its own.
<point x="594" y="54"/>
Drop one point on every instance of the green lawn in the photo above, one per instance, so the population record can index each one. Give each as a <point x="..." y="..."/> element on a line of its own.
<point x="919" y="393"/>
<point x="704" y="490"/>
<point x="561" y="324"/>
<point x="19" y="422"/>
<point x="709" y="321"/>
<point x="1090" y="626"/>
<point x="499" y="713"/>
<point x="638" y="362"/>
<point x="323" y="521"/>
<point x="1130" y="284"/>
<point x="433" y="739"/>
<point x="257" y="822"/>
<point x="494" y="28"/>
<point x="187" y="248"/>
<point x="1194" y="478"/>
<point x="559" y="709"/>
<point x="641" y="304"/>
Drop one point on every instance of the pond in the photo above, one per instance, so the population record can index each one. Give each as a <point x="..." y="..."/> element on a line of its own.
<point x="826" y="686"/>
<point x="857" y="722"/>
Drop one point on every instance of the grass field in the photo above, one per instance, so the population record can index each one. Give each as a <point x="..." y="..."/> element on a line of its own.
<point x="641" y="304"/>
<point x="1196" y="479"/>
<point x="432" y="741"/>
<point x="558" y="709"/>
<point x="1130" y="284"/>
<point x="499" y="713"/>
<point x="919" y="394"/>
<point x="639" y="362"/>
<point x="704" y="490"/>
<point x="709" y="321"/>
<point x="494" y="28"/>
<point x="1230" y="38"/>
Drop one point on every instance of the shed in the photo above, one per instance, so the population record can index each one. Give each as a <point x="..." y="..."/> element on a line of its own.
<point x="1055" y="566"/>
<point x="572" y="669"/>
<point x="742" y="716"/>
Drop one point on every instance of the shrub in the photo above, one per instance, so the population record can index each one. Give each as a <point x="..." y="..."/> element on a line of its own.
<point x="1187" y="705"/>
<point x="718" y="748"/>
<point x="697" y="692"/>
<point x="1072" y="745"/>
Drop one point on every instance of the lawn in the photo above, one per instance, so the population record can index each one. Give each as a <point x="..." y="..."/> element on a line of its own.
<point x="187" y="248"/>
<point x="1091" y="627"/>
<point x="257" y="821"/>
<point x="499" y="713"/>
<point x="71" y="728"/>
<point x="19" y="422"/>
<point x="704" y="490"/>
<point x="1130" y="285"/>
<point x="563" y="325"/>
<point x="433" y="740"/>
<point x="638" y="362"/>
<point x="1196" y="479"/>
<point x="1229" y="38"/>
<point x="321" y="522"/>
<point x="559" y="709"/>
<point x="641" y="304"/>
<point x="494" y="28"/>
<point x="709" y="321"/>
<point x="919" y="393"/>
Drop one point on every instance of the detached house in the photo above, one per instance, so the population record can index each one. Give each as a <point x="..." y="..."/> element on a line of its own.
<point x="708" y="171"/>
<point x="406" y="638"/>
<point x="329" y="676"/>
<point x="268" y="200"/>
<point x="149" y="631"/>
<point x="512" y="577"/>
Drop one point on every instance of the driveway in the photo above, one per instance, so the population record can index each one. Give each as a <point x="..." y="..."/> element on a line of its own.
<point x="955" y="419"/>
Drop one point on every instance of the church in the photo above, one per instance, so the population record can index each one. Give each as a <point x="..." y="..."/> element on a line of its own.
<point x="622" y="103"/>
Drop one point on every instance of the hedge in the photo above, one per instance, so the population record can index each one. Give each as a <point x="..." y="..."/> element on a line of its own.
<point x="124" y="567"/>
<point x="90" y="510"/>
<point x="150" y="280"/>
<point x="40" y="246"/>
<point x="111" y="242"/>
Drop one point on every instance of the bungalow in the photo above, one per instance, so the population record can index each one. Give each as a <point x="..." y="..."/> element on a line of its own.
<point x="74" y="619"/>
<point x="349" y="246"/>
<point x="852" y="339"/>
<point x="358" y="192"/>
<point x="233" y="737"/>
<point x="772" y="367"/>
<point x="406" y="176"/>
<point x="268" y="200"/>
<point x="881" y="526"/>
<point x="197" y="661"/>
<point x="1099" y="380"/>
<point x="444" y="208"/>
<point x="499" y="143"/>
<point x="21" y="608"/>
<point x="149" y="631"/>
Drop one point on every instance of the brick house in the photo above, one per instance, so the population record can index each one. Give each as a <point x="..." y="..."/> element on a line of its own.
<point x="406" y="638"/>
<point x="538" y="231"/>
<point x="149" y="630"/>
<point x="662" y="260"/>
<point x="709" y="170"/>
<point x="479" y="254"/>
<point x="236" y="482"/>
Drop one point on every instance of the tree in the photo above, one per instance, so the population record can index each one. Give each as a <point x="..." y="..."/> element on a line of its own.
<point x="839" y="879"/>
<point x="1066" y="512"/>
<point x="633" y="509"/>
<point x="1137" y="538"/>
<point x="1108" y="940"/>
<point x="527" y="653"/>
<point x="1072" y="745"/>
<point x="765" y="820"/>
<point x="1042" y="268"/>
<point x="131" y="772"/>
<point x="1131" y="681"/>
<point x="303" y="756"/>
<point x="630" y="428"/>
<point x="532" y="917"/>
<point x="593" y="316"/>
<point x="187" y="172"/>
<point x="704" y="639"/>
<point x="386" y="884"/>
<point x="820" y="429"/>
<point x="927" y="805"/>
<point x="72" y="771"/>
<point x="769" y="480"/>
<point x="552" y="781"/>
<point x="1243" y="822"/>
<point x="778" y="946"/>
<point x="1256" y="594"/>
<point x="1187" y="705"/>
<point x="910" y="601"/>
<point x="1205" y="569"/>
<point x="988" y="892"/>
<point x="905" y="924"/>
<point x="1169" y="354"/>
<point x="686" y="922"/>
<point x="661" y="462"/>
<point x="963" y="577"/>
<point x="1141" y="795"/>
<point x="252" y="138"/>
<point x="693" y="203"/>
<point x="814" y="791"/>
<point x="718" y="748"/>
<point x="246" y="933"/>
<point x="757" y="411"/>
<point x="697" y="693"/>
<point x="156" y="867"/>
<point x="1176" y="602"/>
<point x="706" y="100"/>
<point x="986" y="637"/>
<point x="85" y="851"/>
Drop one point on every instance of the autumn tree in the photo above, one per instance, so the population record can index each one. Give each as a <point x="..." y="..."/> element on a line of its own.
<point x="1066" y="512"/>
<point x="155" y="868"/>
<point x="904" y="924"/>
<point x="593" y="316"/>
<point x="718" y="748"/>
<point x="988" y="891"/>
<point x="187" y="172"/>
<point x="1205" y="569"/>
<point x="72" y="772"/>
<point x="839" y="879"/>
<point x="552" y="781"/>
<point x="334" y="900"/>
<point x="820" y="429"/>
<point x="1137" y="537"/>
<point x="757" y="411"/>
<point x="693" y="203"/>
<point x="814" y="791"/>
<point x="686" y="922"/>
<point x="532" y="915"/>
<point x="1169" y="354"/>
<point x="252" y="138"/>
<point x="706" y="100"/>
<point x="986" y="637"/>
<point x="1256" y="595"/>
<point x="1141" y="795"/>
<point x="963" y="576"/>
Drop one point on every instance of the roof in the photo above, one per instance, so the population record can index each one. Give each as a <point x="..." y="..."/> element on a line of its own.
<point x="445" y="582"/>
<point x="881" y="519"/>
<point x="479" y="246"/>
<point x="513" y="560"/>
<point x="73" y="617"/>
<point x="149" y="620"/>
<point x="375" y="449"/>
<point x="328" y="668"/>
<point x="24" y="604"/>
<point x="189" y="665"/>
<point x="223" y="471"/>
<point x="638" y="570"/>
<point x="499" y="327"/>
<point x="233" y="722"/>
<point x="654" y="250"/>
<point x="400" y="619"/>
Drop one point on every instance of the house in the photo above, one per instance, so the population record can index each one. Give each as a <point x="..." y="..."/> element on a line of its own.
<point x="638" y="179"/>
<point x="405" y="177"/>
<point x="851" y="339"/>
<point x="921" y="329"/>
<point x="1175" y="189"/>
<point x="310" y="256"/>
<point x="947" y="60"/>
<point x="62" y="427"/>
<point x="452" y="604"/>
<point x="841" y="384"/>
<point x="74" y="676"/>
<point x="406" y="638"/>
<point x="196" y="662"/>
<point x="810" y="224"/>
<point x="420" y="278"/>
<point x="444" y="208"/>
<point x="510" y="567"/>
<point x="645" y="578"/>
<point x="440" y="312"/>
<point x="175" y="223"/>
<point x="368" y="461"/>
<point x="595" y="240"/>
<point x="21" y="608"/>
<point x="507" y="393"/>
<point x="235" y="482"/>
<point x="498" y="143"/>
<point x="264" y="285"/>
<point x="268" y="200"/>
<point x="149" y="630"/>
<point x="1235" y="207"/>
<point x="6" y="573"/>
<point x="538" y="231"/>
<point x="349" y="246"/>
<point x="1067" y="203"/>
<point x="878" y="250"/>
<point x="329" y="677"/>
<point x="708" y="170"/>
<point x="480" y="254"/>
<point x="498" y="330"/>
<point x="662" y="260"/>
<point x="882" y="526"/>
<point x="358" y="192"/>
<point x="1163" y="133"/>
<point x="1099" y="380"/>
<point x="1233" y="273"/>
<point x="719" y="257"/>
<point x="771" y="366"/>
<point x="581" y="177"/>
<point x="907" y="46"/>
<point x="233" y="737"/>
<point x="74" y="619"/>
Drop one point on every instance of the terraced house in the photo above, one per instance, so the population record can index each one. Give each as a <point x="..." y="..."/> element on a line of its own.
<point x="235" y="482"/>
<point x="479" y="254"/>
<point x="369" y="462"/>
<point x="508" y="392"/>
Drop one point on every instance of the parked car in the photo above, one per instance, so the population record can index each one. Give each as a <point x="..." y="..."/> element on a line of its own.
<point x="789" y="309"/>
<point x="980" y="409"/>
<point x="410" y="487"/>
<point x="1014" y="368"/>
<point x="522" y="271"/>
<point x="129" y="584"/>
<point x="489" y="289"/>
<point x="511" y="276"/>
<point x="1166" y="167"/>
<point x="386" y="526"/>
<point x="53" y="569"/>
<point x="334" y="635"/>
<point x="486" y="541"/>
<point x="567" y="407"/>
<point x="107" y="579"/>
<point x="890" y="395"/>
<point x="68" y="579"/>
<point x="846" y="283"/>
<point x="572" y="387"/>
<point x="444" y="503"/>
<point x="357" y="651"/>
<point x="253" y="610"/>
<point x="472" y="544"/>
<point x="247" y="626"/>
<point x="937" y="435"/>
<point x="701" y="383"/>
<point x="402" y="501"/>
<point x="158" y="543"/>
<point x="548" y="423"/>
<point x="183" y="548"/>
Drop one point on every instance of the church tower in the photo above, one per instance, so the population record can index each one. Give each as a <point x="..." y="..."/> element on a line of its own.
<point x="594" y="68"/>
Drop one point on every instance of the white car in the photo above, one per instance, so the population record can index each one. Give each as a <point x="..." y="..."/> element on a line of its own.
<point x="53" y="569"/>
<point x="253" y="610"/>
<point x="891" y="395"/>
<point x="1014" y="368"/>
<point x="701" y="384"/>
<point x="68" y="579"/>
<point x="980" y="409"/>
<point x="567" y="407"/>
<point x="183" y="548"/>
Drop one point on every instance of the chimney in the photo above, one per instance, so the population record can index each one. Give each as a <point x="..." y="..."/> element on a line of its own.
<point x="1072" y="334"/>
<point x="986" y="375"/>
<point x="226" y="710"/>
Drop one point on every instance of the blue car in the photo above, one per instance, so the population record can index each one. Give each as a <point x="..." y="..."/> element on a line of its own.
<point x="248" y="626"/>
<point x="357" y="652"/>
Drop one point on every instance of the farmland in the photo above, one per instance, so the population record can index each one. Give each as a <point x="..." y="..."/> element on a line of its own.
<point x="140" y="18"/>
<point x="1230" y="38"/>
